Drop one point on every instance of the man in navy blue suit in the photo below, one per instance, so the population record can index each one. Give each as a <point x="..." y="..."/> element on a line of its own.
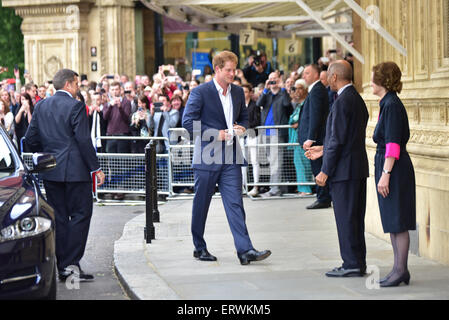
<point x="215" y="114"/>
<point x="345" y="169"/>
<point x="312" y="127"/>
<point x="60" y="126"/>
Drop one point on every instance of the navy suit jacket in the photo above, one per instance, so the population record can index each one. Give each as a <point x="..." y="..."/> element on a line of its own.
<point x="60" y="126"/>
<point x="344" y="155"/>
<point x="204" y="107"/>
<point x="313" y="115"/>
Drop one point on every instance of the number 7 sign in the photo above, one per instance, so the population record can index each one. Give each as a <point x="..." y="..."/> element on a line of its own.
<point x="247" y="37"/>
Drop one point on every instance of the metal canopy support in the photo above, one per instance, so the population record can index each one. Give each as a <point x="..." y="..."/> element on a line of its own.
<point x="376" y="26"/>
<point x="325" y="26"/>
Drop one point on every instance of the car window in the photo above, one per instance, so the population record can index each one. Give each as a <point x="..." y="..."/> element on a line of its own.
<point x="7" y="165"/>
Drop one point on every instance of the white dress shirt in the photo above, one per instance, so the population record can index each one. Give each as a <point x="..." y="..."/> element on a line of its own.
<point x="226" y="101"/>
<point x="343" y="89"/>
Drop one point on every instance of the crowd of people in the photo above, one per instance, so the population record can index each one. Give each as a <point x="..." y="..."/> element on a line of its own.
<point x="320" y="111"/>
<point x="148" y="106"/>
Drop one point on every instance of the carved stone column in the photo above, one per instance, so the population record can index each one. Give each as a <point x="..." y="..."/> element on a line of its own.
<point x="60" y="34"/>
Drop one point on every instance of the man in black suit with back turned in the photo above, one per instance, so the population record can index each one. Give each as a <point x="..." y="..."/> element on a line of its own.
<point x="60" y="126"/>
<point x="345" y="169"/>
<point x="312" y="126"/>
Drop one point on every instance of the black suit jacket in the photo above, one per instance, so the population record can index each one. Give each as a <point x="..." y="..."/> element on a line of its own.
<point x="344" y="146"/>
<point x="312" y="119"/>
<point x="282" y="108"/>
<point x="60" y="126"/>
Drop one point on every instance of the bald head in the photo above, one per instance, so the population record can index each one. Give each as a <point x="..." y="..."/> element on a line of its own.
<point x="342" y="69"/>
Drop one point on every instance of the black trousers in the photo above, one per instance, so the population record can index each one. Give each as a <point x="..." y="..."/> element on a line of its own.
<point x="322" y="193"/>
<point x="72" y="202"/>
<point x="349" y="202"/>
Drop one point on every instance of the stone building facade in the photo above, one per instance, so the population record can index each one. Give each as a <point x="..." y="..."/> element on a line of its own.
<point x="62" y="33"/>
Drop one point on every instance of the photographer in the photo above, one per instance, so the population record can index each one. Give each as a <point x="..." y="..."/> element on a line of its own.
<point x="163" y="118"/>
<point x="276" y="110"/>
<point x="254" y="72"/>
<point x="117" y="113"/>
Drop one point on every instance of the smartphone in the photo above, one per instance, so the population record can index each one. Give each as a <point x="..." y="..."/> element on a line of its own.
<point x="171" y="79"/>
<point x="16" y="67"/>
<point x="272" y="82"/>
<point x="127" y="91"/>
<point x="109" y="76"/>
<point x="158" y="106"/>
<point x="333" y="51"/>
<point x="196" y="72"/>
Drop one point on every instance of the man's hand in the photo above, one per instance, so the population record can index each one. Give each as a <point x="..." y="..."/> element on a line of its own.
<point x="239" y="130"/>
<point x="307" y="145"/>
<point x="314" y="153"/>
<point x="100" y="177"/>
<point x="321" y="179"/>
<point x="223" y="135"/>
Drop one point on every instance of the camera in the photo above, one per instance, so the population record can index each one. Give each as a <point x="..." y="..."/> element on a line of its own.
<point x="127" y="92"/>
<point x="158" y="106"/>
<point x="257" y="60"/>
<point x="293" y="89"/>
<point x="272" y="82"/>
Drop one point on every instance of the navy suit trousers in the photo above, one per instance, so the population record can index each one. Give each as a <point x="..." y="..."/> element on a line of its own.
<point x="349" y="200"/>
<point x="73" y="206"/>
<point x="229" y="180"/>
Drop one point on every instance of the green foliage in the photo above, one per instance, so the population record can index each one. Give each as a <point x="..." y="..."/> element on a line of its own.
<point x="11" y="42"/>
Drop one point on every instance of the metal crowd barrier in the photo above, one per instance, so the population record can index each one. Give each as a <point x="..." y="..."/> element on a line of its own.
<point x="290" y="165"/>
<point x="284" y="155"/>
<point x="125" y="173"/>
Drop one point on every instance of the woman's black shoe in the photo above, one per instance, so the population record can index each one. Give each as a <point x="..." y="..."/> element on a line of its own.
<point x="405" y="277"/>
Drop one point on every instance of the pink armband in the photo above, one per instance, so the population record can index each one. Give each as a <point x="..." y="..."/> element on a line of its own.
<point x="393" y="150"/>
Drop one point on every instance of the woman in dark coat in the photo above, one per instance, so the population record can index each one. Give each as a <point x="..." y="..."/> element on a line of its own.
<point x="22" y="120"/>
<point x="394" y="173"/>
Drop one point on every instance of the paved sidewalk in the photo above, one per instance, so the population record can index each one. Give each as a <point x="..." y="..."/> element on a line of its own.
<point x="304" y="245"/>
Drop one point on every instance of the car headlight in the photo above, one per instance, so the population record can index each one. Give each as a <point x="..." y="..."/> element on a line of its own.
<point x="26" y="227"/>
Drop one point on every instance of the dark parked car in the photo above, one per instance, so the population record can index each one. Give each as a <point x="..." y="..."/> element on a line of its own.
<point x="27" y="227"/>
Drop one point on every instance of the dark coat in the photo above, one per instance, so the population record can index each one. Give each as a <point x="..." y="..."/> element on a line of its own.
<point x="312" y="119"/>
<point x="344" y="146"/>
<point x="204" y="106"/>
<point x="60" y="126"/>
<point x="282" y="108"/>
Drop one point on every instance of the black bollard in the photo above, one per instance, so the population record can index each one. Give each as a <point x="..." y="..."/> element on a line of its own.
<point x="155" y="209"/>
<point x="150" y="153"/>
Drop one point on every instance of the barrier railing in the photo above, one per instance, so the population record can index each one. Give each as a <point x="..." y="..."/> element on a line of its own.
<point x="125" y="172"/>
<point x="271" y="162"/>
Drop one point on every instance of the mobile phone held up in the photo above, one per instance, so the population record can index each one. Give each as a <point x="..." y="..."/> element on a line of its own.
<point x="158" y="106"/>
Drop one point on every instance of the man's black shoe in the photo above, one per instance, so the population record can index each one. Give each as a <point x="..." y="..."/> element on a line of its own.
<point x="76" y="274"/>
<point x="341" y="272"/>
<point x="253" y="255"/>
<point x="204" y="255"/>
<point x="319" y="205"/>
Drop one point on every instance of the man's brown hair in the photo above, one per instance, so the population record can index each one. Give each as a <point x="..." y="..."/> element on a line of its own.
<point x="223" y="57"/>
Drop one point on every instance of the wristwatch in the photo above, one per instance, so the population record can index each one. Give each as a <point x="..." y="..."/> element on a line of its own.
<point x="385" y="171"/>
